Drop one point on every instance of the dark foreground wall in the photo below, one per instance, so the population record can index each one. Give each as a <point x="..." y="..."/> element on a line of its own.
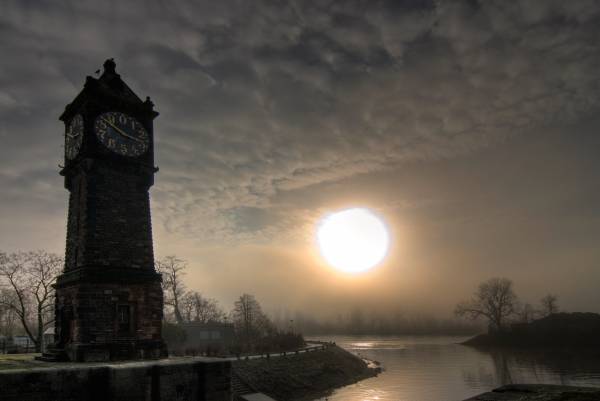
<point x="181" y="379"/>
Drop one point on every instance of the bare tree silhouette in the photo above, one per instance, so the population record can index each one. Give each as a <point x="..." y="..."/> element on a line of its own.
<point x="197" y="308"/>
<point x="249" y="319"/>
<point x="549" y="305"/>
<point x="28" y="277"/>
<point x="172" y="270"/>
<point x="494" y="300"/>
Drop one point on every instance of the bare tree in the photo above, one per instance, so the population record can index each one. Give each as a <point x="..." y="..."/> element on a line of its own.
<point x="172" y="270"/>
<point x="494" y="300"/>
<point x="8" y="317"/>
<point x="526" y="313"/>
<point x="187" y="307"/>
<point x="196" y="308"/>
<point x="549" y="305"/>
<point x="249" y="320"/>
<point x="29" y="277"/>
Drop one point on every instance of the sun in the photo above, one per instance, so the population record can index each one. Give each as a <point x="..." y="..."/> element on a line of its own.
<point x="353" y="240"/>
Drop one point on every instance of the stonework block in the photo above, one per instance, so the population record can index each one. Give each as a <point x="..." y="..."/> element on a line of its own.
<point x="184" y="379"/>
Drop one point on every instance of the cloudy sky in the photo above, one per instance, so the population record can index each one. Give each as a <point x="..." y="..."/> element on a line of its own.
<point x="470" y="127"/>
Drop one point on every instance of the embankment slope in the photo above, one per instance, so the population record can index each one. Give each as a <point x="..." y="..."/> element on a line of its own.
<point x="305" y="376"/>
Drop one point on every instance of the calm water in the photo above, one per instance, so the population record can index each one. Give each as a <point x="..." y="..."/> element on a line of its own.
<point x="419" y="368"/>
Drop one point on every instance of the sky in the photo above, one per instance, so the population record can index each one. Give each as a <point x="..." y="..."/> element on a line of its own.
<point x="470" y="127"/>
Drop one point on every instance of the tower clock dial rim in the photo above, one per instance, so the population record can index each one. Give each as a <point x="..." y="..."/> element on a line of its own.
<point x="73" y="137"/>
<point x="121" y="134"/>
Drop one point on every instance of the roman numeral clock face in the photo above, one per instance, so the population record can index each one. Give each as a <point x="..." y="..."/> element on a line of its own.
<point x="121" y="134"/>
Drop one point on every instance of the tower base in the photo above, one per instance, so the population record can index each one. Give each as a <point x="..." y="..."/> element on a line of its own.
<point x="108" y="315"/>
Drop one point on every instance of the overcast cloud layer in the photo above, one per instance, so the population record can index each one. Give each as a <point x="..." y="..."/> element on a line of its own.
<point x="264" y="102"/>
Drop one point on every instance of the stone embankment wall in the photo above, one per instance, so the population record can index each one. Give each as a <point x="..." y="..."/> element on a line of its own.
<point x="179" y="379"/>
<point x="539" y="392"/>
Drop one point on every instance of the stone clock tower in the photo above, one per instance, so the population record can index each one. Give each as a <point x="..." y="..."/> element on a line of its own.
<point x="109" y="299"/>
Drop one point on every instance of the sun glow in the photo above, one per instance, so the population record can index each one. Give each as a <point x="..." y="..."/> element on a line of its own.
<point x="353" y="240"/>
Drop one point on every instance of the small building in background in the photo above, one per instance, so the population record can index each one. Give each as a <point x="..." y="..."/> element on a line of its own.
<point x="22" y="344"/>
<point x="208" y="336"/>
<point x="47" y="338"/>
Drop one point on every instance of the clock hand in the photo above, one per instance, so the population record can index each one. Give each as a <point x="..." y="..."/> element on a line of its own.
<point x="120" y="131"/>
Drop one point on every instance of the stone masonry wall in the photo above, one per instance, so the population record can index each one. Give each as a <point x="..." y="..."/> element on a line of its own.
<point x="109" y="217"/>
<point x="87" y="313"/>
<point x="185" y="379"/>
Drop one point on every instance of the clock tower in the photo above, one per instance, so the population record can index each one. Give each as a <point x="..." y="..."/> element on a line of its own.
<point x="109" y="301"/>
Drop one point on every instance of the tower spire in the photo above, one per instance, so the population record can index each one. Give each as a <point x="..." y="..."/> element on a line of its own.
<point x="110" y="66"/>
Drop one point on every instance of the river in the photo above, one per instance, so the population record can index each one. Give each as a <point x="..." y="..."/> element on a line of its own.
<point x="437" y="368"/>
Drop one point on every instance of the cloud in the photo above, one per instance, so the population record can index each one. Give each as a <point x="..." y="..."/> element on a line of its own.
<point x="261" y="98"/>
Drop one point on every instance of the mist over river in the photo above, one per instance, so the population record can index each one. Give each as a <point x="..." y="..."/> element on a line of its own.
<point x="437" y="368"/>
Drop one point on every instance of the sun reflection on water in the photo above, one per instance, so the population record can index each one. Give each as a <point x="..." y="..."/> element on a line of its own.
<point x="365" y="345"/>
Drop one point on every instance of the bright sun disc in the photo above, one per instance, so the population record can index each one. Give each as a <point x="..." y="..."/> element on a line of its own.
<point x="353" y="240"/>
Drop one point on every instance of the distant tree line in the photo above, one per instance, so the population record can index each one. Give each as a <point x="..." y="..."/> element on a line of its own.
<point x="254" y="331"/>
<point x="27" y="300"/>
<point x="496" y="302"/>
<point x="27" y="307"/>
<point x="361" y="321"/>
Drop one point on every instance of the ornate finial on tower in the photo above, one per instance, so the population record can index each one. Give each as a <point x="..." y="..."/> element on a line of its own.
<point x="110" y="66"/>
<point x="149" y="103"/>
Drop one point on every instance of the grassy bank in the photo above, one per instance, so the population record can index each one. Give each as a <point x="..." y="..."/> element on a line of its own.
<point x="20" y="361"/>
<point x="304" y="376"/>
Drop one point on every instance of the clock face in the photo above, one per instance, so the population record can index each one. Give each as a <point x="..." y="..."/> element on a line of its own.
<point x="74" y="137"/>
<point x="121" y="133"/>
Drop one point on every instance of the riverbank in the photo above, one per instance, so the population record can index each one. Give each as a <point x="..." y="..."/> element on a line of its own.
<point x="301" y="377"/>
<point x="559" y="330"/>
<point x="539" y="392"/>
